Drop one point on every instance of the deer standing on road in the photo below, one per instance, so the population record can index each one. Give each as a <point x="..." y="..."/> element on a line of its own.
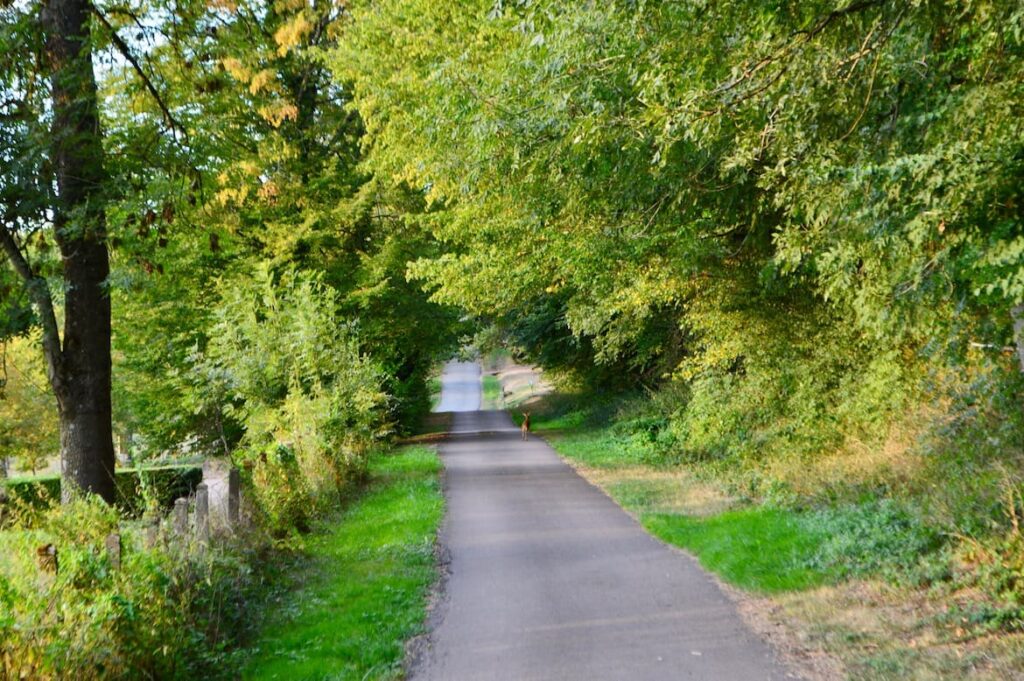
<point x="526" y="424"/>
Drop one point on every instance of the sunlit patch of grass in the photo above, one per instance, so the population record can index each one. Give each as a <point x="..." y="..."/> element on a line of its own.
<point x="491" y="392"/>
<point x="760" y="549"/>
<point x="361" y="592"/>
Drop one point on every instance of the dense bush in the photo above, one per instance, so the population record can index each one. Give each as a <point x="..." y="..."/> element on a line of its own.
<point x="289" y="369"/>
<point x="168" y="612"/>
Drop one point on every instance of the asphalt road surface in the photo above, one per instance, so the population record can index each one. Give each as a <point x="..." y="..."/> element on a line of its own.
<point x="549" y="579"/>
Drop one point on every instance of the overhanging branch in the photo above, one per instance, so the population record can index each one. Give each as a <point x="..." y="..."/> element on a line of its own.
<point x="126" y="52"/>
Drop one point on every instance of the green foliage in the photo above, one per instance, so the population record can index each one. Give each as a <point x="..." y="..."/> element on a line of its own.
<point x="271" y="183"/>
<point x="291" y="372"/>
<point x="29" y="434"/>
<point x="166" y="613"/>
<point x="360" y="589"/>
<point x="799" y="218"/>
<point x="873" y="538"/>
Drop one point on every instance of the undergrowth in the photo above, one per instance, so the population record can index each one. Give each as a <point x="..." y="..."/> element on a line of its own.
<point x="939" y="510"/>
<point x="358" y="591"/>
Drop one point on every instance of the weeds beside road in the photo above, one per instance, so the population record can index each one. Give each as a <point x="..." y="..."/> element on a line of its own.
<point x="360" y="592"/>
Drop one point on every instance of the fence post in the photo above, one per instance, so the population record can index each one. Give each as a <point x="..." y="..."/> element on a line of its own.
<point x="47" y="557"/>
<point x="180" y="517"/>
<point x="152" y="531"/>
<point x="203" y="513"/>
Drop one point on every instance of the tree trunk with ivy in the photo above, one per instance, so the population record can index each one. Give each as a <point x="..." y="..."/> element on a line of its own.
<point x="79" y="364"/>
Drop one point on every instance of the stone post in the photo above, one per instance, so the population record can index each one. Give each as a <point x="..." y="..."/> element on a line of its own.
<point x="203" y="513"/>
<point x="234" y="497"/>
<point x="152" y="531"/>
<point x="113" y="544"/>
<point x="180" y="516"/>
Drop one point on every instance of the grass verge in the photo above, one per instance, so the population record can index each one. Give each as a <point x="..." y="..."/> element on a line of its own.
<point x="760" y="549"/>
<point x="858" y="589"/>
<point x="360" y="590"/>
<point x="491" y="392"/>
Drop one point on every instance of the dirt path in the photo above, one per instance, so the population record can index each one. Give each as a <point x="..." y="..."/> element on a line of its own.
<point x="549" y="579"/>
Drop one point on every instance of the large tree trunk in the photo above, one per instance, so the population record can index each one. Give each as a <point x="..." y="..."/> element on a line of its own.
<point x="80" y="375"/>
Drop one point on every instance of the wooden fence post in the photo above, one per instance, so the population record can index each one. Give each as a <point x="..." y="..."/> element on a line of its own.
<point x="47" y="557"/>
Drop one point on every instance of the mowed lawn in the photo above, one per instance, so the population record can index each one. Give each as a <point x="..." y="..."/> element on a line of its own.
<point x="362" y="591"/>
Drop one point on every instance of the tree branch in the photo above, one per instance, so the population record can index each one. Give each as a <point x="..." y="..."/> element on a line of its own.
<point x="798" y="38"/>
<point x="126" y="52"/>
<point x="39" y="294"/>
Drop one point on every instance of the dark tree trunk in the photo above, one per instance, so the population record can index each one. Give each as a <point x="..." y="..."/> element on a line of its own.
<point x="80" y="370"/>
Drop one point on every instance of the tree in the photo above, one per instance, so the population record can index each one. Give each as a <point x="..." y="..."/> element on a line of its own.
<point x="78" y="361"/>
<point x="797" y="210"/>
<point x="280" y="183"/>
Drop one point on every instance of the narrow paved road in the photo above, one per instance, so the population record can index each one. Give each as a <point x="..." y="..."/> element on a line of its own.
<point x="549" y="579"/>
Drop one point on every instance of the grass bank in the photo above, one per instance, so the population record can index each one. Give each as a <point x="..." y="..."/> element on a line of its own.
<point x="867" y="580"/>
<point x="491" y="398"/>
<point x="359" y="591"/>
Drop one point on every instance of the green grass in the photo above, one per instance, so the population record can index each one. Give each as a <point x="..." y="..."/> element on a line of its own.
<point x="759" y="549"/>
<point x="492" y="392"/>
<point x="361" y="593"/>
<point x="593" y="447"/>
<point x="434" y="386"/>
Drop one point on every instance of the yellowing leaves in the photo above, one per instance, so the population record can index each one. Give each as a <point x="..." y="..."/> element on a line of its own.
<point x="279" y="112"/>
<point x="291" y="34"/>
<point x="237" y="69"/>
<point x="232" y="195"/>
<point x="261" y="80"/>
<point x="268" y="191"/>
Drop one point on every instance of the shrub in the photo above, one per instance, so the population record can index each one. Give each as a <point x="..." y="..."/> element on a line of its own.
<point x="310" y="402"/>
<point x="167" y="612"/>
<point x="877" y="537"/>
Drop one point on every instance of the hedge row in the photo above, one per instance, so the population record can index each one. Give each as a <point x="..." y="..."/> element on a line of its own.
<point x="134" y="486"/>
